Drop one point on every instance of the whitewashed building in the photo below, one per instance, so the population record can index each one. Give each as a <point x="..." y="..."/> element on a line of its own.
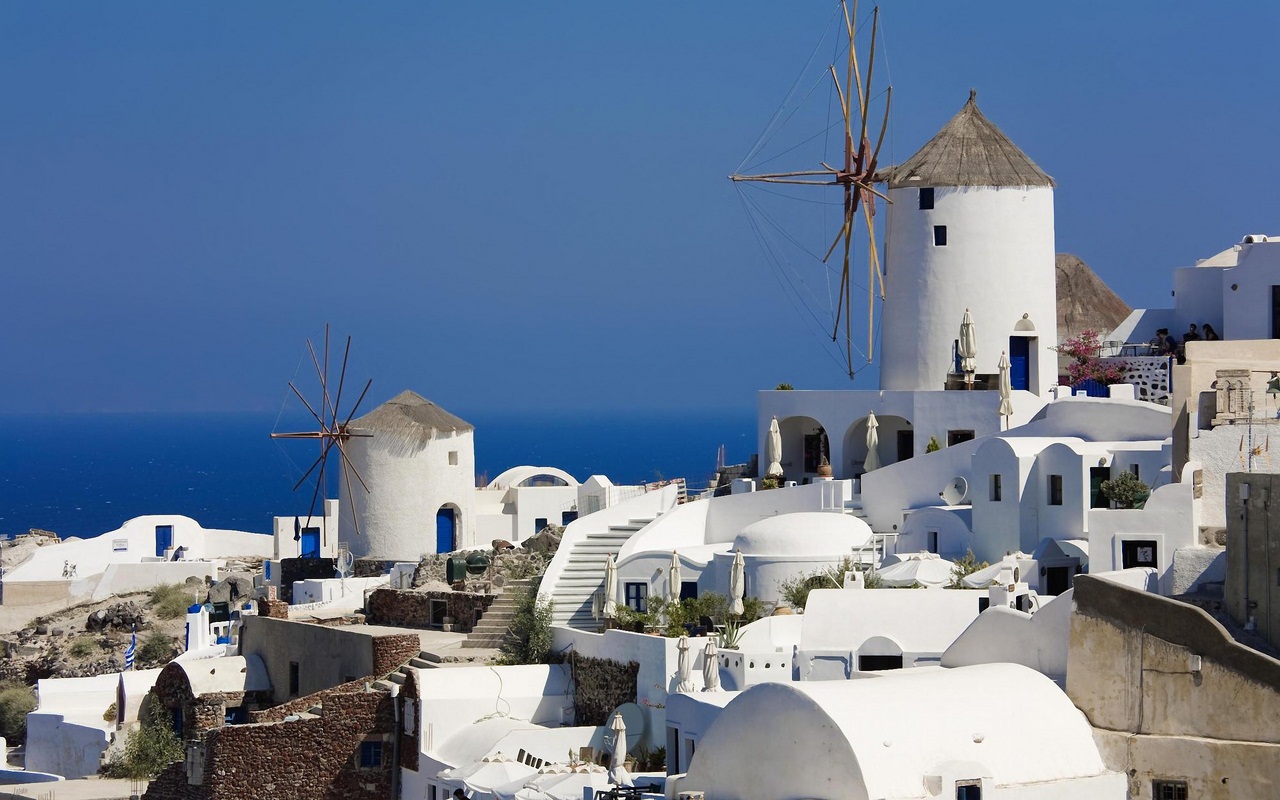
<point x="418" y="463"/>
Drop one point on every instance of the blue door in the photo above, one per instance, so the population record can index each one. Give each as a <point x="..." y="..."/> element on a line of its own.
<point x="164" y="539"/>
<point x="445" y="523"/>
<point x="310" y="543"/>
<point x="1019" y="362"/>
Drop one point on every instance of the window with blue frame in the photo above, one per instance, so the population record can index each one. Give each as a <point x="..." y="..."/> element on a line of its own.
<point x="370" y="755"/>
<point x="637" y="596"/>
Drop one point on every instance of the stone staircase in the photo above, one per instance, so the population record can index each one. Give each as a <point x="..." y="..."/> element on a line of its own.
<point x="495" y="624"/>
<point x="584" y="574"/>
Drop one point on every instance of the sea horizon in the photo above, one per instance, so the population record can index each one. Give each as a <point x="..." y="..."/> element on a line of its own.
<point x="86" y="473"/>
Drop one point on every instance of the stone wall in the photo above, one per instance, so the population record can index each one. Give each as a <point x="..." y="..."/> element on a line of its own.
<point x="600" y="685"/>
<point x="1171" y="695"/>
<point x="412" y="609"/>
<point x="390" y="652"/>
<point x="314" y="758"/>
<point x="273" y="609"/>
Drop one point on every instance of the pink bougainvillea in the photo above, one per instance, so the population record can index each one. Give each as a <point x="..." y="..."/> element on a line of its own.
<point x="1084" y="351"/>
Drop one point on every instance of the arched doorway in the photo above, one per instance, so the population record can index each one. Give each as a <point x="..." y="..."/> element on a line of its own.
<point x="804" y="445"/>
<point x="897" y="442"/>
<point x="446" y="529"/>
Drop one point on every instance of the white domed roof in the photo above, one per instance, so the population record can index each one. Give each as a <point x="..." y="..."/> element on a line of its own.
<point x="819" y="533"/>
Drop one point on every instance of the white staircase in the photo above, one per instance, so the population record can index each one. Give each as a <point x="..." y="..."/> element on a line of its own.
<point x="583" y="574"/>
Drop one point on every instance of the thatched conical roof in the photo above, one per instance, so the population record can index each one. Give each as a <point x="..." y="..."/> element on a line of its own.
<point x="411" y="416"/>
<point x="1085" y="302"/>
<point x="969" y="151"/>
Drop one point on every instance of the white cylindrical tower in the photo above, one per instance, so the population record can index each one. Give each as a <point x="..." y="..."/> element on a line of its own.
<point x="970" y="227"/>
<point x="419" y="466"/>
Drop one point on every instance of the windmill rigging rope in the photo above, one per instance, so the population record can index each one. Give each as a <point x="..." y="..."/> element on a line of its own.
<point x="793" y="295"/>
<point x="773" y="125"/>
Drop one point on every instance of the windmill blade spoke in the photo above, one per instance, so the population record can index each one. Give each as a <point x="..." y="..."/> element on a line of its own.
<point x="357" y="405"/>
<point x="324" y="453"/>
<point x="342" y="376"/>
<point x="298" y="435"/>
<point x="355" y="518"/>
<point x="844" y="103"/>
<point x="873" y="251"/>
<point x="869" y="188"/>
<point x="798" y="174"/>
<point x="311" y="509"/>
<point x="346" y="459"/>
<point x="319" y="419"/>
<point x="832" y="248"/>
<point x="884" y="126"/>
<point x="848" y="334"/>
<point x="871" y="65"/>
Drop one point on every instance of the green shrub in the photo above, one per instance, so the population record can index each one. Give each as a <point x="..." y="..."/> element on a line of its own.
<point x="529" y="637"/>
<point x="16" y="701"/>
<point x="933" y="446"/>
<point x="963" y="568"/>
<point x="171" y="600"/>
<point x="157" y="648"/>
<point x="150" y="748"/>
<point x="784" y="387"/>
<point x="1126" y="491"/>
<point x="83" y="647"/>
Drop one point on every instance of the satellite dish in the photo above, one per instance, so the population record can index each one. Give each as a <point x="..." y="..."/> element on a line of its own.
<point x="955" y="491"/>
<point x="345" y="562"/>
<point x="633" y="716"/>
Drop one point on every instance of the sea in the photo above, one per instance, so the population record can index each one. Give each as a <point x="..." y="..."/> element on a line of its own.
<point x="86" y="474"/>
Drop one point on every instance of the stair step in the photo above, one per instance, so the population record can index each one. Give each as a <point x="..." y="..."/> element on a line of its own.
<point x="421" y="663"/>
<point x="397" y="677"/>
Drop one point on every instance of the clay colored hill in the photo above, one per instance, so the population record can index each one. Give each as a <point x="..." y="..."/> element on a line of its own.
<point x="1084" y="300"/>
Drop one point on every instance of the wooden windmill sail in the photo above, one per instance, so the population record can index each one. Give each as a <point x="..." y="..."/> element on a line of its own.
<point x="857" y="177"/>
<point x="331" y="433"/>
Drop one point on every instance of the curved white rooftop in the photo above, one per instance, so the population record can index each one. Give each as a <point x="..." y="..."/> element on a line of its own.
<point x="227" y="674"/>
<point x="832" y="751"/>
<point x="817" y="533"/>
<point x="518" y="475"/>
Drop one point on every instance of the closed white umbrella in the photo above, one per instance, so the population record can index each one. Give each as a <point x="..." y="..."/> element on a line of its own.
<point x="1006" y="390"/>
<point x="711" y="667"/>
<point x="737" y="584"/>
<point x="775" y="449"/>
<point x="673" y="578"/>
<point x="873" y="443"/>
<point x="610" y="587"/>
<point x="684" y="666"/>
<point x="968" y="348"/>
<point x="618" y="774"/>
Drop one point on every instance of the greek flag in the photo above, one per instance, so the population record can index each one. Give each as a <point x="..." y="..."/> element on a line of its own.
<point x="129" y="651"/>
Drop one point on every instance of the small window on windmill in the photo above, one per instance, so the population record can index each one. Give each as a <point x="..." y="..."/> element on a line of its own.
<point x="926" y="199"/>
<point x="453" y="458"/>
<point x="939" y="235"/>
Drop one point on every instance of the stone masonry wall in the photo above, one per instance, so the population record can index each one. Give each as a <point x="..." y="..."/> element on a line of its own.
<point x="389" y="652"/>
<point x="306" y="759"/>
<point x="274" y="609"/>
<point x="412" y="609"/>
<point x="599" y="686"/>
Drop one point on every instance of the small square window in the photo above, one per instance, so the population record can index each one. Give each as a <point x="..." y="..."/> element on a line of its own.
<point x="939" y="235"/>
<point x="1139" y="553"/>
<point x="1168" y="790"/>
<point x="370" y="755"/>
<point x="1055" y="490"/>
<point x="996" y="487"/>
<point x="926" y="199"/>
<point x="453" y="458"/>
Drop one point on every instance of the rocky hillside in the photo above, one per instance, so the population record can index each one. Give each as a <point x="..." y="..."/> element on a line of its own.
<point x="1084" y="301"/>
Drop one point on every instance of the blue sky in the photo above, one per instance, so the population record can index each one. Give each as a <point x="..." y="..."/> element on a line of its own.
<point x="525" y="205"/>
